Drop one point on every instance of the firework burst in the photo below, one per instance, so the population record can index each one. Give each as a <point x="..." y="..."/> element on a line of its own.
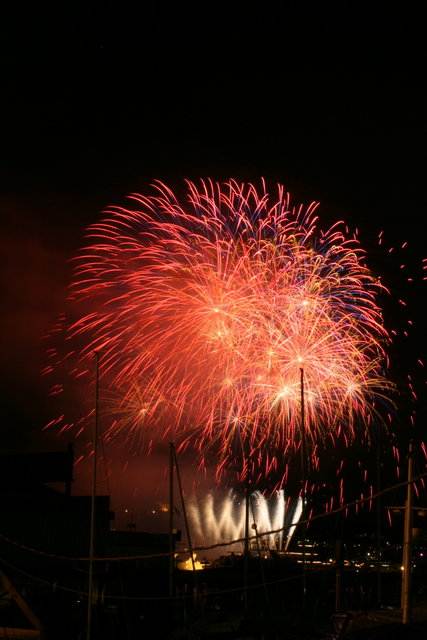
<point x="205" y="311"/>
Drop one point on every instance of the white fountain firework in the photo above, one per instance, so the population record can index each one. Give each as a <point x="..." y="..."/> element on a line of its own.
<point x="223" y="520"/>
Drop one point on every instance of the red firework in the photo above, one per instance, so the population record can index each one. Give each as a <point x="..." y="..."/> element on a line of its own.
<point x="208" y="313"/>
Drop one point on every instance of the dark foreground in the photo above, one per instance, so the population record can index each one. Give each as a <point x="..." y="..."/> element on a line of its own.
<point x="235" y="600"/>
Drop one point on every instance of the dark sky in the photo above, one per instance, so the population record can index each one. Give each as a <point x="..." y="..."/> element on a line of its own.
<point x="100" y="98"/>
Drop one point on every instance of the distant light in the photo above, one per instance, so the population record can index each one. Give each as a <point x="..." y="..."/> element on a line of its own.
<point x="187" y="565"/>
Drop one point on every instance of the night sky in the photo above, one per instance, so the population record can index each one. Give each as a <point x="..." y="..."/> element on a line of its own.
<point x="100" y="98"/>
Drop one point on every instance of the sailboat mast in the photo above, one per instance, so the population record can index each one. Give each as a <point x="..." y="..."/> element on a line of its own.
<point x="93" y="498"/>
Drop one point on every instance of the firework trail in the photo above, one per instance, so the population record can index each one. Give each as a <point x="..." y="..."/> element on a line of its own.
<point x="216" y="520"/>
<point x="204" y="311"/>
